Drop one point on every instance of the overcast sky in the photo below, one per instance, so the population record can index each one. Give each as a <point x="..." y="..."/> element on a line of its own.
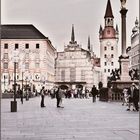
<point x="54" y="18"/>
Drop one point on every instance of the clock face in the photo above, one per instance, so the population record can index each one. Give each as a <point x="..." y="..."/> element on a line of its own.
<point x="108" y="43"/>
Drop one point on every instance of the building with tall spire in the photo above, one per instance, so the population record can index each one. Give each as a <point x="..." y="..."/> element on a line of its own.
<point x="108" y="37"/>
<point x="74" y="67"/>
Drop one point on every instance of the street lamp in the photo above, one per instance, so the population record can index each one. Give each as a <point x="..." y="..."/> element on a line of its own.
<point x="22" y="70"/>
<point x="15" y="60"/>
<point x="27" y="78"/>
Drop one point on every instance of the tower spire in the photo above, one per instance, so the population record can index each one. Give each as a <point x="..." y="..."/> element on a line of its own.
<point x="72" y="34"/>
<point x="108" y="12"/>
<point x="89" y="43"/>
<point x="108" y="15"/>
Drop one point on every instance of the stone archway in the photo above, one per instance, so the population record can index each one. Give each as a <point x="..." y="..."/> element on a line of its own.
<point x="79" y="86"/>
<point x="63" y="86"/>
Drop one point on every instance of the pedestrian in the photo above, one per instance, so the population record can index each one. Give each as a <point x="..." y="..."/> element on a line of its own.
<point x="59" y="97"/>
<point x="109" y="94"/>
<point x="86" y="93"/>
<point x="42" y="92"/>
<point x="94" y="92"/>
<point x="133" y="97"/>
<point x="125" y="96"/>
<point x="21" y="95"/>
<point x="27" y="94"/>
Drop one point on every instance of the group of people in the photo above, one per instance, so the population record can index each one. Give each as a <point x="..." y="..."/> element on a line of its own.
<point x="59" y="94"/>
<point x="131" y="97"/>
<point x="73" y="93"/>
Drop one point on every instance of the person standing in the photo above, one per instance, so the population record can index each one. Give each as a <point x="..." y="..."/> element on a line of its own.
<point x="42" y="92"/>
<point x="21" y="95"/>
<point x="94" y="92"/>
<point x="133" y="97"/>
<point x="125" y="96"/>
<point x="59" y="97"/>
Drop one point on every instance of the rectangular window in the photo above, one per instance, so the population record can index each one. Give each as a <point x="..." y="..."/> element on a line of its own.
<point x="111" y="63"/>
<point x="112" y="55"/>
<point x="105" y="63"/>
<point x="105" y="56"/>
<point x="37" y="65"/>
<point x="104" y="70"/>
<point x="37" y="46"/>
<point x="63" y="75"/>
<point x="108" y="70"/>
<point x="26" y="65"/>
<point x="5" y="65"/>
<point x="82" y="75"/>
<point x="16" y="46"/>
<point x="105" y="48"/>
<point x="26" y="46"/>
<point x="5" y="46"/>
<point x="5" y="55"/>
<point x="112" y="48"/>
<point x="72" y="74"/>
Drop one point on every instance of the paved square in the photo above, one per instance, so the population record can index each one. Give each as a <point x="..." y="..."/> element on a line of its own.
<point x="80" y="119"/>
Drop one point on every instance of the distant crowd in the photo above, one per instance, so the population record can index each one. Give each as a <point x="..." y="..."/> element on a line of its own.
<point x="129" y="95"/>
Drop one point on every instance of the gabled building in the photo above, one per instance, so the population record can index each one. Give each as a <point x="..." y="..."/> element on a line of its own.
<point x="108" y="37"/>
<point x="74" y="66"/>
<point x="35" y="66"/>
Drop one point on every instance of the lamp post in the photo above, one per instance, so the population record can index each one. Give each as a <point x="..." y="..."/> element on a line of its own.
<point x="15" y="60"/>
<point x="22" y="70"/>
<point x="27" y="90"/>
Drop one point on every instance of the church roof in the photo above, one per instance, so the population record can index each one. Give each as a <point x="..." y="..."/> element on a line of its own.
<point x="20" y="31"/>
<point x="108" y="12"/>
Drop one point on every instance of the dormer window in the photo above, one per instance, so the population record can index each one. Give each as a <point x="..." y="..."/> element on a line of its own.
<point x="5" y="46"/>
<point x="16" y="46"/>
<point x="27" y="46"/>
<point x="37" y="46"/>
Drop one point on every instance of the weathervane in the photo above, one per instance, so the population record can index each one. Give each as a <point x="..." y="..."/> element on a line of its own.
<point x="123" y="2"/>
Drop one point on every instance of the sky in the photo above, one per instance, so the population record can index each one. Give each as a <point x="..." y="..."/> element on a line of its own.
<point x="54" y="18"/>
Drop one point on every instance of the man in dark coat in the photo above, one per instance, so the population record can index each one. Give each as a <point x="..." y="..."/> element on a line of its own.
<point x="42" y="92"/>
<point x="59" y="97"/>
<point x="133" y="93"/>
<point x="21" y="95"/>
<point x="94" y="92"/>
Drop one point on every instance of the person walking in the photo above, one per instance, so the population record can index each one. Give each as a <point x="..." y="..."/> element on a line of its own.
<point x="133" y="97"/>
<point x="94" y="92"/>
<point x="59" y="97"/>
<point x="42" y="92"/>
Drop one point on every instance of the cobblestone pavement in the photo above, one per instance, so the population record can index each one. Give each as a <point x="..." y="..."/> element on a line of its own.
<point x="80" y="119"/>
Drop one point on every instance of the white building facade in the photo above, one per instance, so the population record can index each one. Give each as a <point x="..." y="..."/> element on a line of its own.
<point x="74" y="67"/>
<point x="108" y="45"/>
<point x="135" y="48"/>
<point x="36" y="57"/>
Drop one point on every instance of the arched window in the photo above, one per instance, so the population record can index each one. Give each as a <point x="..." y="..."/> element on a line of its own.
<point x="112" y="63"/>
<point x="112" y="56"/>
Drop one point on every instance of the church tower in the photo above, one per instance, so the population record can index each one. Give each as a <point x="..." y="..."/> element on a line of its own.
<point x="108" y="37"/>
